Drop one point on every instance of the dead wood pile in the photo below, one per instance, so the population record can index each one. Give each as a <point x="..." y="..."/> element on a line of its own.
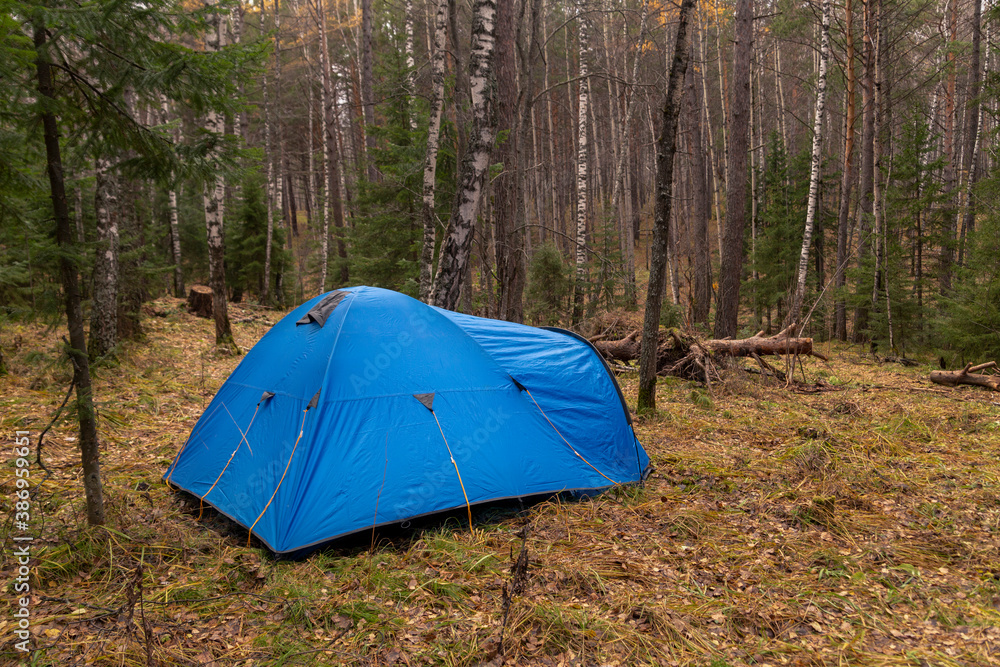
<point x="681" y="354"/>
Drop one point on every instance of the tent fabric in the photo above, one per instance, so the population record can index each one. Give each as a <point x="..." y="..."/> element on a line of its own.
<point x="362" y="418"/>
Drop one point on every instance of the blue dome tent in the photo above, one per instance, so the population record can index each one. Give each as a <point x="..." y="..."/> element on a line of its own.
<point x="364" y="407"/>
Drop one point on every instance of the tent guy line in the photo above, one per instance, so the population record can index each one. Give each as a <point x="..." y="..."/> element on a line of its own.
<point x="450" y="455"/>
<point x="271" y="499"/>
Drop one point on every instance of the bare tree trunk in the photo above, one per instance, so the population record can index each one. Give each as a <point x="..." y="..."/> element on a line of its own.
<point x="311" y="203"/>
<point x="581" y="180"/>
<point x="104" y="308"/>
<point x="865" y="241"/>
<point x="795" y="311"/>
<point x="673" y="257"/>
<point x="454" y="256"/>
<point x="529" y="133"/>
<point x="214" y="202"/>
<point x="325" y="105"/>
<point x="332" y="202"/>
<point x="780" y="91"/>
<point x="279" y="139"/>
<point x="728" y="301"/>
<point x="709" y="132"/>
<point x="78" y="218"/>
<point x="269" y="191"/>
<point x="617" y="183"/>
<point x="701" y="247"/>
<point x="948" y="187"/>
<point x="293" y="208"/>
<point x="723" y="87"/>
<point x="89" y="448"/>
<point x="846" y="179"/>
<point x="878" y="217"/>
<point x="367" y="94"/>
<point x="506" y="186"/>
<point x="430" y="158"/>
<point x="666" y="148"/>
<point x="552" y="190"/>
<point x="410" y="64"/>
<point x="175" y="237"/>
<point x="972" y="126"/>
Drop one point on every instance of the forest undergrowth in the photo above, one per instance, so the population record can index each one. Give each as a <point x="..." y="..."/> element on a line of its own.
<point x="851" y="519"/>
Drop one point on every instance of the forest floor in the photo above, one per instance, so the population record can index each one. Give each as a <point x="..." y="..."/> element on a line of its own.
<point x="854" y="521"/>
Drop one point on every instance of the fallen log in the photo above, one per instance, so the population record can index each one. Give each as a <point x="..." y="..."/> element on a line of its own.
<point x="200" y="301"/>
<point x="779" y="344"/>
<point x="625" y="349"/>
<point x="968" y="376"/>
<point x="675" y="346"/>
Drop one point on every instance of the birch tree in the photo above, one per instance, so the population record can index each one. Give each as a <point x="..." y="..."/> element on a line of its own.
<point x="846" y="177"/>
<point x="618" y="182"/>
<point x="583" y="104"/>
<point x="275" y="177"/>
<point x="332" y="202"/>
<point x="214" y="202"/>
<point x="878" y="214"/>
<point x="949" y="189"/>
<point x="867" y="166"/>
<point x="266" y="291"/>
<point x="795" y="311"/>
<point x="454" y="256"/>
<point x="175" y="235"/>
<point x="104" y="306"/>
<point x="972" y="126"/>
<point x="427" y="214"/>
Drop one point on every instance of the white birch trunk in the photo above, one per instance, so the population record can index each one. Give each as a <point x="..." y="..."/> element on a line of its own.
<point x="279" y="164"/>
<point x="78" y="213"/>
<point x="175" y="237"/>
<point x="581" y="180"/>
<point x="269" y="194"/>
<point x="104" y="311"/>
<point x="814" y="172"/>
<point x="325" y="102"/>
<point x="878" y="216"/>
<point x="618" y="181"/>
<point x="214" y="202"/>
<point x="430" y="160"/>
<point x="723" y="89"/>
<point x="709" y="131"/>
<point x="309" y="142"/>
<point x="779" y="90"/>
<point x="410" y="64"/>
<point x="550" y="134"/>
<point x="454" y="256"/>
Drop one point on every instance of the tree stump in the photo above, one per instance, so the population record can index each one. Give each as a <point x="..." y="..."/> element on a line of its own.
<point x="200" y="301"/>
